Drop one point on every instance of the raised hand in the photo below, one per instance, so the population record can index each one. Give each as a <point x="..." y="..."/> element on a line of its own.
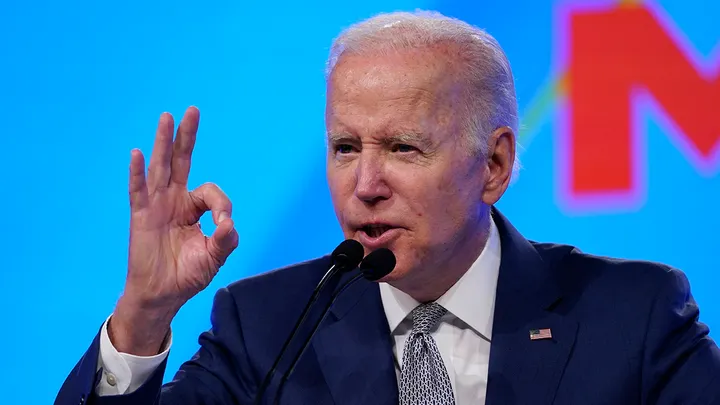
<point x="170" y="259"/>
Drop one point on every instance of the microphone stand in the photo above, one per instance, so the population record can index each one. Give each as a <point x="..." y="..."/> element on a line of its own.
<point x="315" y="327"/>
<point x="334" y="269"/>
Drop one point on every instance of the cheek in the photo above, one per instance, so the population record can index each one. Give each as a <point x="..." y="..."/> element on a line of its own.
<point x="446" y="206"/>
<point x="461" y="185"/>
<point x="342" y="189"/>
<point x="428" y="207"/>
<point x="341" y="182"/>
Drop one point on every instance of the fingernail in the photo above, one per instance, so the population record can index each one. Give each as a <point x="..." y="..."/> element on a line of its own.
<point x="223" y="216"/>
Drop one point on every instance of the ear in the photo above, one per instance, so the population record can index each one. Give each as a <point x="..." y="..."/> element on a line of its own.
<point x="500" y="161"/>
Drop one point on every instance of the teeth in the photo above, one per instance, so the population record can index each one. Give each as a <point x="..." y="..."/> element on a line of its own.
<point x="376" y="230"/>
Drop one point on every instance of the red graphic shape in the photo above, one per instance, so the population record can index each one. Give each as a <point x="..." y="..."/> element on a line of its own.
<point x="611" y="53"/>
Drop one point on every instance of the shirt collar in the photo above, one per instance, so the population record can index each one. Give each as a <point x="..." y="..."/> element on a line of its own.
<point x="471" y="299"/>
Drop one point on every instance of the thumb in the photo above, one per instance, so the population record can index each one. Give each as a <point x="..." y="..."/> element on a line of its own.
<point x="223" y="241"/>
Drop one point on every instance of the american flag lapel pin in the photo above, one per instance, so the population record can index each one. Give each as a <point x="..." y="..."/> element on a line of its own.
<point x="538" y="334"/>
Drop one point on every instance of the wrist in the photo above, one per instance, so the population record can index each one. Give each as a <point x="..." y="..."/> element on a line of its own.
<point x="138" y="330"/>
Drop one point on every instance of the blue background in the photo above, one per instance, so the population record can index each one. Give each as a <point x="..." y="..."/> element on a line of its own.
<point x="82" y="83"/>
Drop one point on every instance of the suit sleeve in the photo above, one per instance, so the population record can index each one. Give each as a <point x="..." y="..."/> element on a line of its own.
<point x="681" y="362"/>
<point x="219" y="373"/>
<point x="128" y="371"/>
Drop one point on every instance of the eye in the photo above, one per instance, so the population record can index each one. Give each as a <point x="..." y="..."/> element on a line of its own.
<point x="403" y="148"/>
<point x="343" y="148"/>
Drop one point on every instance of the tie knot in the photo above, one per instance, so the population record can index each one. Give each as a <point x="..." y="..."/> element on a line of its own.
<point x="425" y="316"/>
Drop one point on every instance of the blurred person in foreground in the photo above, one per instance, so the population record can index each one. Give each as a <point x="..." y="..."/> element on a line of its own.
<point x="421" y="122"/>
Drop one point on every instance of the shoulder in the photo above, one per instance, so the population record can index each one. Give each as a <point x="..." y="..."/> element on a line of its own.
<point x="634" y="296"/>
<point x="261" y="309"/>
<point x="579" y="271"/>
<point x="278" y="293"/>
<point x="298" y="276"/>
<point x="571" y="258"/>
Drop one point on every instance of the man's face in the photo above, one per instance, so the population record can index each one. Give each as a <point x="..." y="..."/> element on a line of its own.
<point x="399" y="175"/>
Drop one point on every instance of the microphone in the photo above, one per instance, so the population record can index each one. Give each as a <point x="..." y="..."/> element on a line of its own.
<point x="376" y="265"/>
<point x="346" y="256"/>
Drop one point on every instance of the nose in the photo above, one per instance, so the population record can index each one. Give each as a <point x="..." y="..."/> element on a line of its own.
<point x="371" y="185"/>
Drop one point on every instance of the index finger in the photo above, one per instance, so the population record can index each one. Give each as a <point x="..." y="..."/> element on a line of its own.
<point x="183" y="146"/>
<point x="209" y="197"/>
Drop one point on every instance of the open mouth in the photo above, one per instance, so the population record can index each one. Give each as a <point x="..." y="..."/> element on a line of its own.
<point x="375" y="230"/>
<point x="377" y="235"/>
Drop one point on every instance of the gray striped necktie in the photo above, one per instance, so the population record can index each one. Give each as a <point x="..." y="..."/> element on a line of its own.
<point x="424" y="379"/>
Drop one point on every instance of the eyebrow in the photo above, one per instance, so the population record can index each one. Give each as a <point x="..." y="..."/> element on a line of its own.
<point x="413" y="138"/>
<point x="338" y="137"/>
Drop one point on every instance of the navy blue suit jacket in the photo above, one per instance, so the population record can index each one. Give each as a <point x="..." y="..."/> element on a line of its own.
<point x="623" y="332"/>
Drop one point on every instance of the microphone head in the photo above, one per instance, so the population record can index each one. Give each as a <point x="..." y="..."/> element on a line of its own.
<point x="348" y="254"/>
<point x="378" y="264"/>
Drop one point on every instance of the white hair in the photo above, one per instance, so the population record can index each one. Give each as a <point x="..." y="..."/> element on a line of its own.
<point x="483" y="65"/>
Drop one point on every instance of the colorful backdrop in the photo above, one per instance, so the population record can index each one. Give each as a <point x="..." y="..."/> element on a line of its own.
<point x="620" y="143"/>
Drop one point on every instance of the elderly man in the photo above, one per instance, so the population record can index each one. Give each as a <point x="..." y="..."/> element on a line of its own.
<point x="421" y="122"/>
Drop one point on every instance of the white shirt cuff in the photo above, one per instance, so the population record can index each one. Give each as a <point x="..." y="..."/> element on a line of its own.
<point x="124" y="373"/>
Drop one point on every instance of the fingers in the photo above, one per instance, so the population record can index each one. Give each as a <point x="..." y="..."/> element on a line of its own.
<point x="209" y="197"/>
<point x="159" y="170"/>
<point x="183" y="146"/>
<point x="225" y="238"/>
<point x="223" y="241"/>
<point x="137" y="187"/>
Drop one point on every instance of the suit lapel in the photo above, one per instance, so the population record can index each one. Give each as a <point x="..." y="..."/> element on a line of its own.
<point x="522" y="370"/>
<point x="354" y="348"/>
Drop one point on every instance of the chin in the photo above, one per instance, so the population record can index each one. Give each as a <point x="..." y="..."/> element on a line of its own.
<point x="390" y="278"/>
<point x="399" y="272"/>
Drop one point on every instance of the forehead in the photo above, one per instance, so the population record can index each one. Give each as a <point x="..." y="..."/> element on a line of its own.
<point x="405" y="72"/>
<point x="396" y="89"/>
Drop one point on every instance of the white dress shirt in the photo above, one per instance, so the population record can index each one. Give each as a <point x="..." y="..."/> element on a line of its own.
<point x="124" y="373"/>
<point x="462" y="335"/>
